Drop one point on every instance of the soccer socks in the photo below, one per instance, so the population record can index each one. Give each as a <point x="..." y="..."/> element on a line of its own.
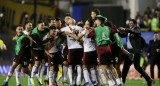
<point x="17" y="77"/>
<point x="102" y="76"/>
<point x="79" y="70"/>
<point x="47" y="75"/>
<point x="118" y="81"/>
<point x="86" y="75"/>
<point x="51" y="78"/>
<point x="93" y="76"/>
<point x="65" y="69"/>
<point x="70" y="74"/>
<point x="34" y="70"/>
<point x="8" y="76"/>
<point x="42" y="70"/>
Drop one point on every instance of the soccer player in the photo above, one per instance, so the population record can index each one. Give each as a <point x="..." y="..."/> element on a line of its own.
<point x="37" y="35"/>
<point x="22" y="50"/>
<point x="75" y="52"/>
<point x="89" y="56"/>
<point x="102" y="34"/>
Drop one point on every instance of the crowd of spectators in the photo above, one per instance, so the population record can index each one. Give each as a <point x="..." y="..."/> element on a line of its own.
<point x="150" y="20"/>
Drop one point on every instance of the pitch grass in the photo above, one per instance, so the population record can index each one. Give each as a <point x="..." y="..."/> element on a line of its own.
<point x="24" y="81"/>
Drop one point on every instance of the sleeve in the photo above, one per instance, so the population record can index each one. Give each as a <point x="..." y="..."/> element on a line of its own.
<point x="91" y="34"/>
<point x="84" y="32"/>
<point x="113" y="30"/>
<point x="149" y="48"/>
<point x="36" y="38"/>
<point x="24" y="43"/>
<point x="135" y="31"/>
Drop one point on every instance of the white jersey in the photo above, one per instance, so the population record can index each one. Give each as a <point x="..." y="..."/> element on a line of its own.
<point x="54" y="46"/>
<point x="71" y="42"/>
<point x="88" y="43"/>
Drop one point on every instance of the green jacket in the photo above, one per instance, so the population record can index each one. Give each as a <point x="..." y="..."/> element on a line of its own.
<point x="102" y="35"/>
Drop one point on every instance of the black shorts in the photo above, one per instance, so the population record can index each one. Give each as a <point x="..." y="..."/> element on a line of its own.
<point x="24" y="61"/>
<point x="38" y="55"/>
<point x="90" y="58"/>
<point x="57" y="59"/>
<point x="116" y="54"/>
<point x="75" y="56"/>
<point x="105" y="59"/>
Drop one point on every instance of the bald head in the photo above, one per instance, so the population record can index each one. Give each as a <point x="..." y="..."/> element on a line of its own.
<point x="72" y="21"/>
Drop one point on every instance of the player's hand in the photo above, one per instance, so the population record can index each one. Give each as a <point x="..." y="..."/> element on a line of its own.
<point x="121" y="28"/>
<point x="157" y="50"/>
<point x="67" y="33"/>
<point x="51" y="55"/>
<point x="148" y="54"/>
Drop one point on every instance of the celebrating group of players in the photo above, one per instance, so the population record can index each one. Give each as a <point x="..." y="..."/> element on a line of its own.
<point x="93" y="49"/>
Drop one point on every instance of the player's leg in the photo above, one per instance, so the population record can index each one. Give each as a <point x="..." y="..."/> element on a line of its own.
<point x="18" y="71"/>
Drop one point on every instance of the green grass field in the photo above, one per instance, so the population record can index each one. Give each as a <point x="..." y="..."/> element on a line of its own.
<point x="24" y="81"/>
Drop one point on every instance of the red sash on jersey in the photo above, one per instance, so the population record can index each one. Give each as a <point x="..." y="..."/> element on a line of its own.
<point x="71" y="29"/>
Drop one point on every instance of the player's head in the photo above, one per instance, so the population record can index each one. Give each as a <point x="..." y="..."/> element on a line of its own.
<point x="87" y="24"/>
<point x="94" y="13"/>
<point x="19" y="30"/>
<point x="79" y="23"/>
<point x="41" y="25"/>
<point x="99" y="21"/>
<point x="28" y="25"/>
<point x="132" y="23"/>
<point x="58" y="23"/>
<point x="67" y="17"/>
<point x="51" y="21"/>
<point x="155" y="36"/>
<point x="71" y="21"/>
<point x="52" y="30"/>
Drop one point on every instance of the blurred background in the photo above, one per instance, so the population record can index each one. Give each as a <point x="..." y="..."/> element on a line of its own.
<point x="15" y="12"/>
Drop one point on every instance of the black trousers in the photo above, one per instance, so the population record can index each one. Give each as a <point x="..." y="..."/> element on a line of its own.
<point x="136" y="62"/>
<point x="153" y="62"/>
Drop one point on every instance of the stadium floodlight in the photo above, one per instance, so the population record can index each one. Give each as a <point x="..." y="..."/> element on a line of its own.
<point x="26" y="15"/>
<point x="22" y="1"/>
<point x="1" y="15"/>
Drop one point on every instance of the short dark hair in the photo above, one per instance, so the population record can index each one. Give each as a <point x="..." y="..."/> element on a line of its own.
<point x="133" y="20"/>
<point x="97" y="11"/>
<point x="91" y="22"/>
<point x="156" y="32"/>
<point x="52" y="27"/>
<point x="40" y="21"/>
<point x="29" y="21"/>
<point x="101" y="19"/>
<point x="57" y="19"/>
<point x="67" y="14"/>
<point x="78" y="21"/>
<point x="49" y="19"/>
<point x="19" y="25"/>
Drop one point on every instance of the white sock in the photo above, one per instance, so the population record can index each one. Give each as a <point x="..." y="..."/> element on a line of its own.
<point x="29" y="82"/>
<point x="17" y="77"/>
<point x="102" y="76"/>
<point x="38" y="71"/>
<point x="79" y="74"/>
<point x="111" y="76"/>
<point x="110" y="83"/>
<point x="42" y="70"/>
<point x="8" y="76"/>
<point x="118" y="81"/>
<point x="86" y="75"/>
<point x="93" y="74"/>
<point x="70" y="73"/>
<point x="47" y="75"/>
<point x="50" y="78"/>
<point x="98" y="76"/>
<point x="34" y="70"/>
<point x="65" y="69"/>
